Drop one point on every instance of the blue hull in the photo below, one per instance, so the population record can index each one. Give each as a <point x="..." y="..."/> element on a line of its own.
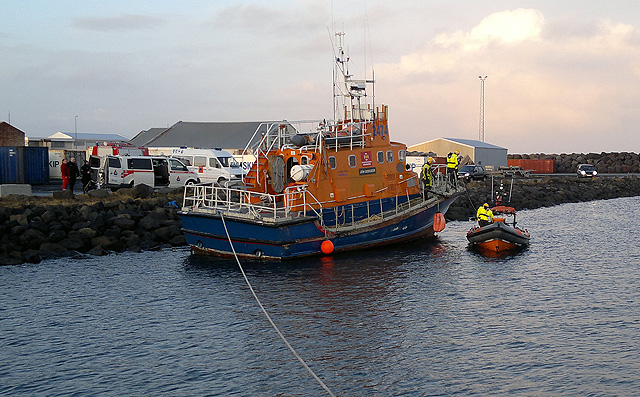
<point x="205" y="233"/>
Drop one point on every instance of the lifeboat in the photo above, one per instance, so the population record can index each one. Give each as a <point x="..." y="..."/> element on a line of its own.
<point x="502" y="235"/>
<point x="319" y="187"/>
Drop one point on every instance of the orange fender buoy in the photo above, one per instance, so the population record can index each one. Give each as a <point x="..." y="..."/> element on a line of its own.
<point x="438" y="222"/>
<point x="326" y="247"/>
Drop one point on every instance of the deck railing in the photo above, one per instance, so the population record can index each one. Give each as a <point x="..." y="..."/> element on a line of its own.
<point x="264" y="206"/>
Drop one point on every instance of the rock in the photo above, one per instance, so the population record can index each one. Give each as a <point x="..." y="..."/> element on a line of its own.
<point x="31" y="256"/>
<point x="72" y="243"/>
<point x="97" y="251"/>
<point x="87" y="232"/>
<point x="138" y="191"/>
<point x="63" y="195"/>
<point x="32" y="237"/>
<point x="52" y="249"/>
<point x="21" y="219"/>
<point x="124" y="222"/>
<point x="7" y="260"/>
<point x="99" y="193"/>
<point x="80" y="225"/>
<point x="165" y="233"/>
<point x="100" y="241"/>
<point x="153" y="220"/>
<point x="181" y="240"/>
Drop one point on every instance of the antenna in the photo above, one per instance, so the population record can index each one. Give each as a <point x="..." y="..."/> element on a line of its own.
<point x="481" y="133"/>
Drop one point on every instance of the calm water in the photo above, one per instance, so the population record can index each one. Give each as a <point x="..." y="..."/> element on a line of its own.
<point x="561" y="318"/>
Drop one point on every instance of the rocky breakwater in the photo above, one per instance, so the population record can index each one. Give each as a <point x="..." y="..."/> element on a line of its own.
<point x="34" y="228"/>
<point x="606" y="163"/>
<point x="546" y="192"/>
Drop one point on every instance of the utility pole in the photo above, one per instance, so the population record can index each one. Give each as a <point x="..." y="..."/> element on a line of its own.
<point x="481" y="133"/>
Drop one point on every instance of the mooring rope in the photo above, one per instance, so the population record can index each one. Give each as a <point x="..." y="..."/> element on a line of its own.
<point x="470" y="201"/>
<point x="267" y="314"/>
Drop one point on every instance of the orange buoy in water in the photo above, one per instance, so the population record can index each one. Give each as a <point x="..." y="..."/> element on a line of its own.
<point x="438" y="222"/>
<point x="326" y="247"/>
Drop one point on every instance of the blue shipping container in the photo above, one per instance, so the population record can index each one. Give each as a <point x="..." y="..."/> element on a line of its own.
<point x="36" y="165"/>
<point x="9" y="164"/>
<point x="24" y="165"/>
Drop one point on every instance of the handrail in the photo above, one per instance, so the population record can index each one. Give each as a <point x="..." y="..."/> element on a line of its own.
<point x="263" y="205"/>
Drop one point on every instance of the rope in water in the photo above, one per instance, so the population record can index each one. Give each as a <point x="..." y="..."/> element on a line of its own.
<point x="267" y="314"/>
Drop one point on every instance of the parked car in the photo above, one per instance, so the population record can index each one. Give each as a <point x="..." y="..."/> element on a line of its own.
<point x="472" y="172"/>
<point x="211" y="165"/>
<point x="586" y="171"/>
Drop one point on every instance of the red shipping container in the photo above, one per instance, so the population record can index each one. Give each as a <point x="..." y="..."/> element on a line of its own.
<point x="537" y="166"/>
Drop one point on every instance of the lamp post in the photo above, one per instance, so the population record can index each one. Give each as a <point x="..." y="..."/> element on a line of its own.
<point x="481" y="133"/>
<point x="76" y="131"/>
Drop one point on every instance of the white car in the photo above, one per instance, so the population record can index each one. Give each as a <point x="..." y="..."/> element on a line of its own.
<point x="155" y="171"/>
<point x="586" y="171"/>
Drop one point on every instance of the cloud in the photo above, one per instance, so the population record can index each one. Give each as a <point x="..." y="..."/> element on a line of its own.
<point x="117" y="23"/>
<point x="541" y="85"/>
<point x="509" y="26"/>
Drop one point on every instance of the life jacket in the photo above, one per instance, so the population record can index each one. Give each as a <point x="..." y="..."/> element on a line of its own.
<point x="452" y="161"/>
<point x="484" y="215"/>
<point x="426" y="172"/>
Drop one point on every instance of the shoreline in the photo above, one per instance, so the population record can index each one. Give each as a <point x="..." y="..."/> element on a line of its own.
<point x="33" y="228"/>
<point x="530" y="193"/>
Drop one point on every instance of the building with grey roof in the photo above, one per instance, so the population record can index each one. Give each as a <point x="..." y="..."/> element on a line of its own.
<point x="232" y="136"/>
<point x="76" y="141"/>
<point x="480" y="153"/>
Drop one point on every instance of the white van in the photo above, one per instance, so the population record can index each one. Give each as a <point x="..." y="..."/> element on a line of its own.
<point x="211" y="165"/>
<point x="155" y="171"/>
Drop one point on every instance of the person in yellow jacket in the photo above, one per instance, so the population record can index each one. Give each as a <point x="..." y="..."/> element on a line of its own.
<point x="427" y="174"/>
<point x="452" y="166"/>
<point x="484" y="215"/>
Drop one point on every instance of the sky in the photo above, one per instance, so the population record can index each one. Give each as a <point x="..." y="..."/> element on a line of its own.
<point x="562" y="76"/>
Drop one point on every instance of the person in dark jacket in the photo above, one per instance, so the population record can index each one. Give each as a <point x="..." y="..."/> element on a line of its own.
<point x="85" y="171"/>
<point x="74" y="172"/>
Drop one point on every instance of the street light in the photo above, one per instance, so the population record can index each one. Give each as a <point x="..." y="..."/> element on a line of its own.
<point x="481" y="133"/>
<point x="76" y="130"/>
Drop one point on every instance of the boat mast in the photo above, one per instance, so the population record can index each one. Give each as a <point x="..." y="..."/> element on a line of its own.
<point x="347" y="91"/>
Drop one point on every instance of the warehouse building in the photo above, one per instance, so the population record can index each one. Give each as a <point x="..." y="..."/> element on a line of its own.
<point x="480" y="153"/>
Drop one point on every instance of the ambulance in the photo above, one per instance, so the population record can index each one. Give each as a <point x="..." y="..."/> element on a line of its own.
<point x="114" y="172"/>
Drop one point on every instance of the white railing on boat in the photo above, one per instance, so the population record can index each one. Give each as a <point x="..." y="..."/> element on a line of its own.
<point x="264" y="207"/>
<point x="251" y="204"/>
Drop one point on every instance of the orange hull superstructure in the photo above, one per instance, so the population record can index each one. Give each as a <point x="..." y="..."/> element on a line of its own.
<point x="355" y="162"/>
